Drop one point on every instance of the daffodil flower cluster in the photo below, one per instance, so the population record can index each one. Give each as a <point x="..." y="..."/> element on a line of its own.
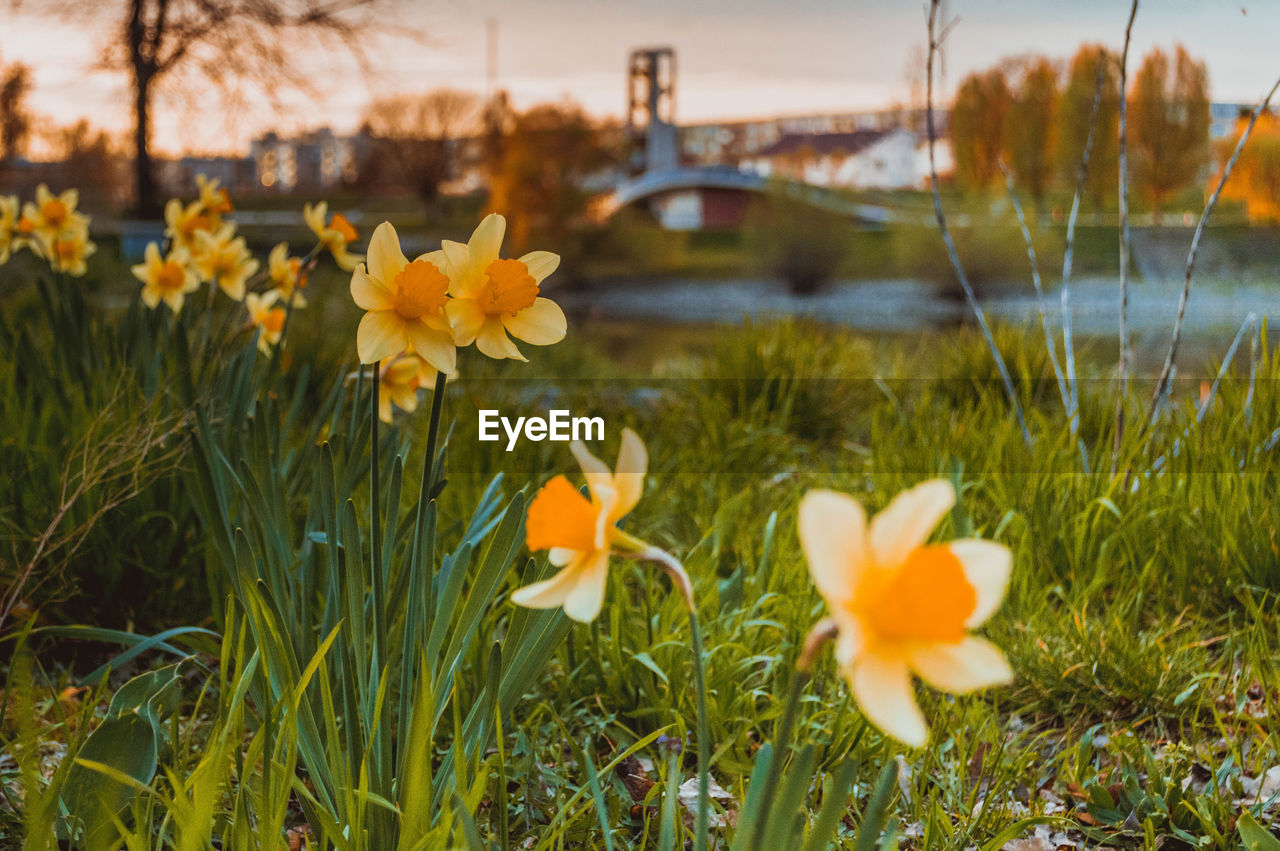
<point x="452" y="297"/>
<point x="50" y="226"/>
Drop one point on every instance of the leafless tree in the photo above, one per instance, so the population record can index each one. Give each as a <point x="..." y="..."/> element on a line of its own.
<point x="15" y="119"/>
<point x="222" y="43"/>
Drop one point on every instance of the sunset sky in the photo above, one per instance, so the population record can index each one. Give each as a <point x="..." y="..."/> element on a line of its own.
<point x="736" y="58"/>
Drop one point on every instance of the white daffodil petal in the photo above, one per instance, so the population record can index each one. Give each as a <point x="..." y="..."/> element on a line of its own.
<point x="560" y="556"/>
<point x="882" y="687"/>
<point x="906" y="522"/>
<point x="541" y="323"/>
<point x="599" y="476"/>
<point x="547" y="594"/>
<point x="628" y="475"/>
<point x="385" y="259"/>
<point x="972" y="664"/>
<point x="381" y="335"/>
<point x="540" y="264"/>
<point x="987" y="566"/>
<point x="833" y="534"/>
<point x="587" y="595"/>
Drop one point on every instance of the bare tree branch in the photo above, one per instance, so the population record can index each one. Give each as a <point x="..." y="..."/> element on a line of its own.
<point x="1124" y="234"/>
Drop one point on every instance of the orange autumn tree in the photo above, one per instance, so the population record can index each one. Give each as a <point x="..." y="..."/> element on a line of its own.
<point x="1256" y="178"/>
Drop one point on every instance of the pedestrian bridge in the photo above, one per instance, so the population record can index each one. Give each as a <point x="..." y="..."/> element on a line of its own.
<point x="702" y="182"/>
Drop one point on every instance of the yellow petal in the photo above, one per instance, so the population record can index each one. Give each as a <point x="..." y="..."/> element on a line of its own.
<point x="435" y="347"/>
<point x="150" y="297"/>
<point x="541" y="323"/>
<point x="494" y="342"/>
<point x="385" y="259"/>
<point x="972" y="664"/>
<point x="486" y="240"/>
<point x="583" y="602"/>
<point x="560" y="556"/>
<point x="465" y="318"/>
<point x="541" y="264"/>
<point x="987" y="565"/>
<point x="833" y="534"/>
<point x="381" y="335"/>
<point x="628" y="476"/>
<point x="906" y="522"/>
<point x="882" y="687"/>
<point x="463" y="280"/>
<point x="368" y="293"/>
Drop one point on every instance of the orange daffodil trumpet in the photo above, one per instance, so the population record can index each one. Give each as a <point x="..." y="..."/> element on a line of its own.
<point x="334" y="233"/>
<point x="494" y="297"/>
<point x="184" y="221"/>
<point x="581" y="533"/>
<point x="901" y="606"/>
<point x="168" y="279"/>
<point x="213" y="200"/>
<point x="405" y="303"/>
<point x="67" y="253"/>
<point x="53" y="216"/>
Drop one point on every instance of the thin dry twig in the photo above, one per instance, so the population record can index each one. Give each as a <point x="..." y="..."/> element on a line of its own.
<point x="1037" y="283"/>
<point x="1124" y="231"/>
<point x="1068" y="346"/>
<point x="935" y="43"/>
<point x="1166" y="372"/>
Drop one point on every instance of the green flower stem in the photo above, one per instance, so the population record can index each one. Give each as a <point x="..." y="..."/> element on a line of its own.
<point x="375" y="544"/>
<point x="822" y="632"/>
<point x="637" y="548"/>
<point x="433" y="434"/>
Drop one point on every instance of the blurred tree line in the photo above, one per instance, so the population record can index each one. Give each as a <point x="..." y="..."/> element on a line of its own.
<point x="1035" y="116"/>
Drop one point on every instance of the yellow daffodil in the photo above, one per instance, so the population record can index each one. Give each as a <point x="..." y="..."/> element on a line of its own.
<point x="68" y="252"/>
<point x="581" y="533"/>
<point x="334" y="234"/>
<point x="214" y="201"/>
<point x="399" y="380"/>
<point x="52" y="216"/>
<point x="8" y="227"/>
<point x="223" y="257"/>
<point x="405" y="303"/>
<point x="493" y="297"/>
<point x="166" y="279"/>
<point x="184" y="221"/>
<point x="267" y="317"/>
<point x="286" y="275"/>
<point x="902" y="606"/>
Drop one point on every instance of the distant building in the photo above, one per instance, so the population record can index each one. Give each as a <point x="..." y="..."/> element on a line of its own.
<point x="1223" y="118"/>
<point x="177" y="178"/>
<point x="313" y="161"/>
<point x="862" y="159"/>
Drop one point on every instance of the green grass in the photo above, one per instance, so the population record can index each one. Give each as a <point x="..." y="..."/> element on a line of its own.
<point x="1141" y="621"/>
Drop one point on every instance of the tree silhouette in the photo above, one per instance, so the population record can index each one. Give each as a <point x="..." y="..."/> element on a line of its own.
<point x="220" y="43"/>
<point x="1074" y="110"/>
<point x="978" y="127"/>
<point x="1029" y="125"/>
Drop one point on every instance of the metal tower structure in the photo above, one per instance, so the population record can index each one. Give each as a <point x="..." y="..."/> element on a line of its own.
<point x="651" y="100"/>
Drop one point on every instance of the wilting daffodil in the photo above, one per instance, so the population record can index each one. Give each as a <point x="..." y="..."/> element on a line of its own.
<point x="8" y="227"/>
<point x="52" y="216"/>
<point x="223" y="257"/>
<point x="214" y="201"/>
<point x="405" y="303"/>
<point x="184" y="221"/>
<point x="286" y="274"/>
<point x="67" y="253"/>
<point x="267" y="317"/>
<point x="334" y="234"/>
<point x="493" y="296"/>
<point x="901" y="606"/>
<point x="582" y="533"/>
<point x="166" y="279"/>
